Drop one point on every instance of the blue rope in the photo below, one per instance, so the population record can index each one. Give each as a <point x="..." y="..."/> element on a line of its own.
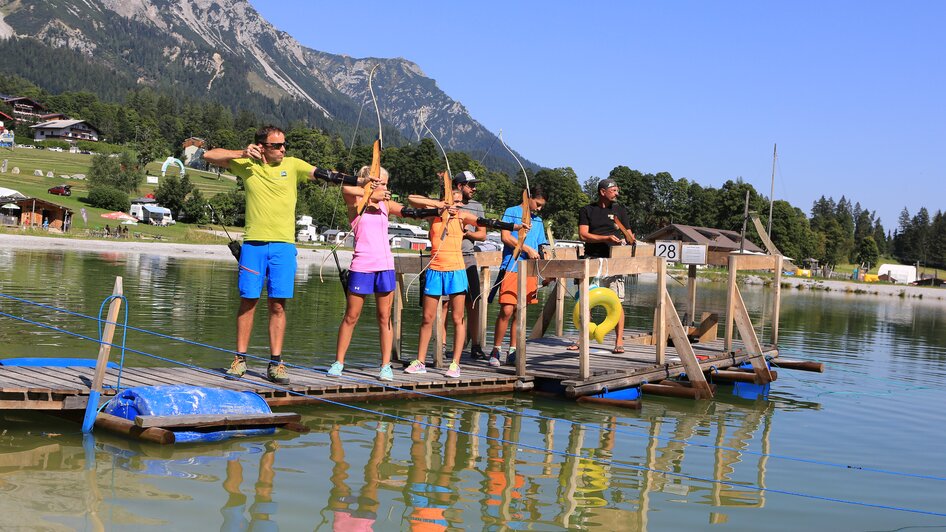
<point x="536" y="448"/>
<point x="488" y="407"/>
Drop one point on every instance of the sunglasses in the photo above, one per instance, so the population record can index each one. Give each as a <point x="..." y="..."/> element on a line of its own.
<point x="276" y="145"/>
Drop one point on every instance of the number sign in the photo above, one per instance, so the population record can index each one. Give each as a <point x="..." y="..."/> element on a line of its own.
<point x="668" y="249"/>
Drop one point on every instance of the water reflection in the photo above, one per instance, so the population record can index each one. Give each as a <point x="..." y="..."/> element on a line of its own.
<point x="616" y="469"/>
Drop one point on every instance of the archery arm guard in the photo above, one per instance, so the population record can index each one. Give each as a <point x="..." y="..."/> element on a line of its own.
<point x="410" y="212"/>
<point x="336" y="178"/>
<point x="495" y="224"/>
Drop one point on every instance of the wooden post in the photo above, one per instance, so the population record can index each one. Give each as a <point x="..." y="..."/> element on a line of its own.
<point x="683" y="348"/>
<point x="660" y="321"/>
<point x="730" y="303"/>
<point x="526" y="267"/>
<point x="483" y="308"/>
<point x="741" y="316"/>
<point x="108" y="333"/>
<point x="584" y="360"/>
<point x="396" y="316"/>
<point x="691" y="293"/>
<point x="778" y="299"/>
<point x="560" y="288"/>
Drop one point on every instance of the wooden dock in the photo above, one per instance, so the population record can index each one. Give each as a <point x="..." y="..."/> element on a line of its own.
<point x="67" y="388"/>
<point x="544" y="362"/>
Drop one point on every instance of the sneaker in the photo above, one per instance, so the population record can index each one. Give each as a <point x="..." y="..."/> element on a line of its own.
<point x="494" y="358"/>
<point x="453" y="371"/>
<point x="386" y="373"/>
<point x="416" y="367"/>
<point x="237" y="368"/>
<point x="277" y="373"/>
<point x="336" y="369"/>
<point x="511" y="357"/>
<point x="476" y="353"/>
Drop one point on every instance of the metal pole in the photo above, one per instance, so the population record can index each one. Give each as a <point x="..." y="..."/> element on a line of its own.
<point x="772" y="193"/>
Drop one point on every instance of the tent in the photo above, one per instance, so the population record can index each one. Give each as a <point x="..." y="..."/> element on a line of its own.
<point x="118" y="215"/>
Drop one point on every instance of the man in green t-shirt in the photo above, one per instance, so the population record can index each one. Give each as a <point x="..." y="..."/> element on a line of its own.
<point x="268" y="252"/>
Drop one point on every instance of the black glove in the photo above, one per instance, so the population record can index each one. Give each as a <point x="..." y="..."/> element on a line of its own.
<point x="235" y="248"/>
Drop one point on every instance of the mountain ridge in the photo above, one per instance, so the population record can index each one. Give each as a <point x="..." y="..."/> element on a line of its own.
<point x="224" y="49"/>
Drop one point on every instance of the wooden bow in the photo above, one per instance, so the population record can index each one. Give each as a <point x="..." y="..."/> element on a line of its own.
<point x="447" y="182"/>
<point x="521" y="234"/>
<point x="374" y="171"/>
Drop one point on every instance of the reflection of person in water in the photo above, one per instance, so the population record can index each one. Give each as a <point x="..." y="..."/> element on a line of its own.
<point x="341" y="499"/>
<point x="263" y="506"/>
<point x="503" y="484"/>
<point x="430" y="499"/>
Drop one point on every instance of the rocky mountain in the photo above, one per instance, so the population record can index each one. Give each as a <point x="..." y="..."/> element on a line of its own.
<point x="225" y="51"/>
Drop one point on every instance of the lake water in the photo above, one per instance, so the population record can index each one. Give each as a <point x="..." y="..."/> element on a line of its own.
<point x="859" y="447"/>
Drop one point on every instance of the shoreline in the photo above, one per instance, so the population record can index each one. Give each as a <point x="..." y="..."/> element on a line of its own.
<point x="308" y="256"/>
<point x="165" y="249"/>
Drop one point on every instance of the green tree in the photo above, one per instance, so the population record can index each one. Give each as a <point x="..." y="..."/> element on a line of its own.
<point x="867" y="252"/>
<point x="121" y="173"/>
<point x="173" y="191"/>
<point x="105" y="197"/>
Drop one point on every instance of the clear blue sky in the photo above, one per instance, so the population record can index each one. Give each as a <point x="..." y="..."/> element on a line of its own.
<point x="853" y="93"/>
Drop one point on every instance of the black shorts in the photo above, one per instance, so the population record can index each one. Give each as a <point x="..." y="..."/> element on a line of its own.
<point x="473" y="279"/>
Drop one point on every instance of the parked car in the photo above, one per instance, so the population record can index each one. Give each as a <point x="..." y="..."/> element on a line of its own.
<point x="61" y="190"/>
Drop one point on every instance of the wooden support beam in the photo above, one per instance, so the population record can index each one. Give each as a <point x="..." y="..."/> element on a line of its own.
<point x="802" y="365"/>
<point x="521" y="315"/>
<point x="549" y="309"/>
<point x="397" y="320"/>
<point x="707" y="330"/>
<point x="779" y="263"/>
<point x="560" y="290"/>
<point x="204" y="421"/>
<point x="684" y="350"/>
<point x="730" y="303"/>
<point x="482" y="307"/>
<point x="108" y="334"/>
<point x="755" y="262"/>
<point x="125" y="427"/>
<point x="740" y="376"/>
<point x="584" y="310"/>
<point x="747" y="333"/>
<point x="660" y="315"/>
<point x="691" y="292"/>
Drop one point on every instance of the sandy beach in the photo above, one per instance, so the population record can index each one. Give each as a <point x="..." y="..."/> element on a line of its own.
<point x="309" y="256"/>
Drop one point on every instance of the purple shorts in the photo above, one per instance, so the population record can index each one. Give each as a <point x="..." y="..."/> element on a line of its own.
<point x="371" y="283"/>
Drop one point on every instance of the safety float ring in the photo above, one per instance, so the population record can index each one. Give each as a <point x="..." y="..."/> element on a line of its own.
<point x="600" y="297"/>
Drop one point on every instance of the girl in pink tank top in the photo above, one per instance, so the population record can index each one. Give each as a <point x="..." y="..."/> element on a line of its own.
<point x="371" y="270"/>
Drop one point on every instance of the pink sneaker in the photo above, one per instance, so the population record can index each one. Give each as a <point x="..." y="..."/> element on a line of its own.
<point x="416" y="367"/>
<point x="453" y="371"/>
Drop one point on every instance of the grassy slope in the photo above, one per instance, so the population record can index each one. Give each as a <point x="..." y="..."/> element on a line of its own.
<point x="28" y="160"/>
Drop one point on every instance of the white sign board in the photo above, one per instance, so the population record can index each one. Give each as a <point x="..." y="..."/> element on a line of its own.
<point x="668" y="249"/>
<point x="7" y="138"/>
<point x="693" y="254"/>
<point x="152" y="180"/>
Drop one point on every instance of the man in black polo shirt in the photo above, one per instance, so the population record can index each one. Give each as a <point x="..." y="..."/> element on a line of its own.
<point x="598" y="230"/>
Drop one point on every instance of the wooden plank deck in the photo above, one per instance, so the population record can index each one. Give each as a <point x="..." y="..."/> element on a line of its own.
<point x="548" y="358"/>
<point x="67" y="388"/>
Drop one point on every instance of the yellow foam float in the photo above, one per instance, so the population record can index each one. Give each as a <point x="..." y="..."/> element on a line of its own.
<point x="600" y="297"/>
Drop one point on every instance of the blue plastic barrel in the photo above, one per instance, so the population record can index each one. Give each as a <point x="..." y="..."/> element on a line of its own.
<point x="182" y="400"/>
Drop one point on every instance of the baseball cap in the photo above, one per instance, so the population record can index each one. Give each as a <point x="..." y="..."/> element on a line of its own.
<point x="606" y="183"/>
<point x="464" y="177"/>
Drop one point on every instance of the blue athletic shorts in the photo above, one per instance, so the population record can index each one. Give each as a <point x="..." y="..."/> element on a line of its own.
<point x="273" y="261"/>
<point x="371" y="283"/>
<point x="445" y="283"/>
